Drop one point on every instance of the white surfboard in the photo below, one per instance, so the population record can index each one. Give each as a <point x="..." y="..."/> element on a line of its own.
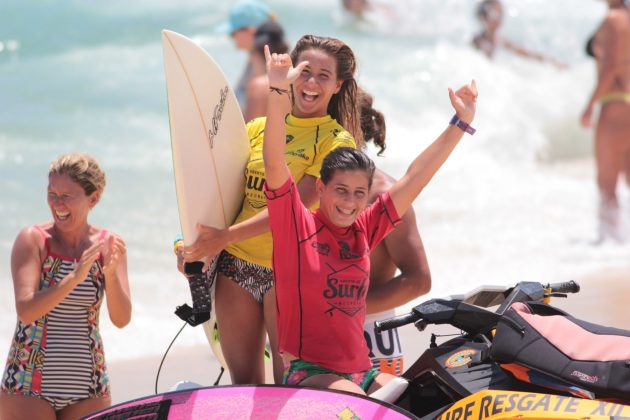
<point x="209" y="144"/>
<point x="208" y="137"/>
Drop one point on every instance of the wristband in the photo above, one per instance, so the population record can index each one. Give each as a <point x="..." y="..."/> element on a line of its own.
<point x="178" y="243"/>
<point x="462" y="125"/>
<point x="278" y="90"/>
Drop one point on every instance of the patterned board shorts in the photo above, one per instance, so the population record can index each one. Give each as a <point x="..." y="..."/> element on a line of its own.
<point x="256" y="279"/>
<point x="298" y="370"/>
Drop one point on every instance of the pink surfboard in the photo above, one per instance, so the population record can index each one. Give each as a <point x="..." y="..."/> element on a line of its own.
<point x="254" y="402"/>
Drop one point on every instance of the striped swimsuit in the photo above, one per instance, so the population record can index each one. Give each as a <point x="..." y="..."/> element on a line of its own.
<point x="59" y="357"/>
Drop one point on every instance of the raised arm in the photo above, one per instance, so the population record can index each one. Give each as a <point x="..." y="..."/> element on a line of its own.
<point x="423" y="168"/>
<point x="281" y="74"/>
<point x="519" y="50"/>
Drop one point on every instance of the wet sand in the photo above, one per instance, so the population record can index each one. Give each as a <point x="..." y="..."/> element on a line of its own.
<point x="603" y="299"/>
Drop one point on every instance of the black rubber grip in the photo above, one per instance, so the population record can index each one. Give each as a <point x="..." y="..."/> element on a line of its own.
<point x="566" y="287"/>
<point x="391" y="323"/>
<point x="199" y="286"/>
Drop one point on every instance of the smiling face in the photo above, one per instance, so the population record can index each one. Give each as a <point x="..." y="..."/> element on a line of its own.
<point x="345" y="196"/>
<point x="316" y="84"/>
<point x="68" y="202"/>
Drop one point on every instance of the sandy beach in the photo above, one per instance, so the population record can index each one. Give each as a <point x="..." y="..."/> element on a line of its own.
<point x="135" y="378"/>
<point x="602" y="300"/>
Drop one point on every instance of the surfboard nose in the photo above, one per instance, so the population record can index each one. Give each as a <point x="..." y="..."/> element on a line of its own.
<point x="208" y="136"/>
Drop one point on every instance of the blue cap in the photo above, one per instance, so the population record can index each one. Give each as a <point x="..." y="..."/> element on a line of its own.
<point x="245" y="13"/>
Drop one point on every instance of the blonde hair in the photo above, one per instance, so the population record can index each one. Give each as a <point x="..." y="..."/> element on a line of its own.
<point x="82" y="169"/>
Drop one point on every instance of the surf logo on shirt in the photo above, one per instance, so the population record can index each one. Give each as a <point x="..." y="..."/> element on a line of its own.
<point x="300" y="153"/>
<point x="254" y="182"/>
<point x="321" y="248"/>
<point x="344" y="251"/>
<point x="343" y="136"/>
<point x="216" y="115"/>
<point x="346" y="290"/>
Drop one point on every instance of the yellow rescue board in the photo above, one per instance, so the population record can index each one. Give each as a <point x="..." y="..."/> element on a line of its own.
<point x="495" y="405"/>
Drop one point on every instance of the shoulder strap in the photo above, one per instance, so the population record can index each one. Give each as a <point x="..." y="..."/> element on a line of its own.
<point x="100" y="256"/>
<point x="45" y="236"/>
<point x="103" y="234"/>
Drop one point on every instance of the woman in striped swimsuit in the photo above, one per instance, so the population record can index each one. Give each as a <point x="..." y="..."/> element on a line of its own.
<point x="61" y="270"/>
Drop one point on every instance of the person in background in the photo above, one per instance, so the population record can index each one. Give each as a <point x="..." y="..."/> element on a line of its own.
<point x="402" y="250"/>
<point x="61" y="271"/>
<point x="321" y="259"/>
<point x="322" y="113"/>
<point x="367" y="11"/>
<point x="610" y="46"/>
<point x="269" y="33"/>
<point x="355" y="7"/>
<point x="244" y="18"/>
<point x="488" y="40"/>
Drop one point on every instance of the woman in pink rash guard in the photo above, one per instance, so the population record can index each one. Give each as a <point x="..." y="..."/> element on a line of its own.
<point x="321" y="259"/>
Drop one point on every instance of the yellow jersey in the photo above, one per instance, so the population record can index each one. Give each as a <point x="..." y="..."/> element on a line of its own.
<point x="309" y="140"/>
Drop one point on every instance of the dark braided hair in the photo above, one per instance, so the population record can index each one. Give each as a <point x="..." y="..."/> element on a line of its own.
<point x="372" y="122"/>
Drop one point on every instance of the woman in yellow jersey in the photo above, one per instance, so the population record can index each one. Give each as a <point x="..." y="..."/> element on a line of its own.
<point x="322" y="114"/>
<point x="611" y="48"/>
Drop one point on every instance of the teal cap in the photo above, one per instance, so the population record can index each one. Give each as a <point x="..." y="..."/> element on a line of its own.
<point x="245" y="13"/>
